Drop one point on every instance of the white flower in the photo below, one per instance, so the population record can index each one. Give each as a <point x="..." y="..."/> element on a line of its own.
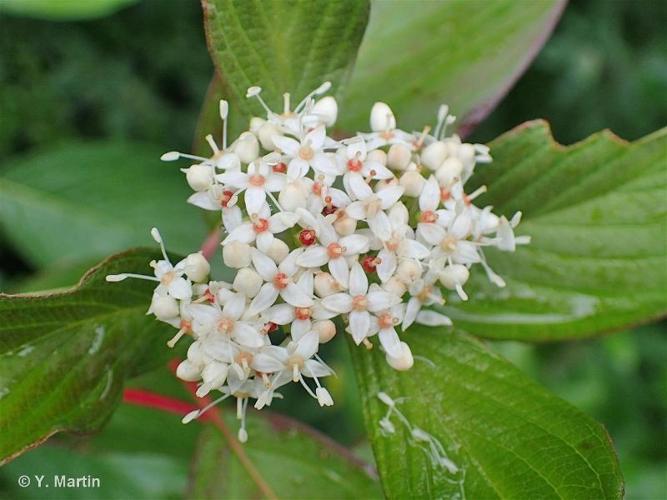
<point x="279" y="282"/>
<point x="333" y="250"/>
<point x="305" y="153"/>
<point x="360" y="302"/>
<point x="262" y="228"/>
<point x="371" y="206"/>
<point x="255" y="184"/>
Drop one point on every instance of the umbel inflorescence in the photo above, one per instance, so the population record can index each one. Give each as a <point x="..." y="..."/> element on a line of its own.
<point x="361" y="233"/>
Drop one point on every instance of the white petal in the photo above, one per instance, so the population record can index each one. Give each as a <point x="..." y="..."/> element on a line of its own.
<point x="381" y="172"/>
<point x="325" y="165"/>
<point x="390" y="195"/>
<point x="299" y="328"/>
<point x="356" y="210"/>
<point x="307" y="345"/>
<point x="432" y="318"/>
<point x="246" y="335"/>
<point x="358" y="186"/>
<point x="293" y="295"/>
<point x="254" y="199"/>
<point x="338" y="302"/>
<point x="297" y="168"/>
<point x="430" y="196"/>
<point x="390" y="341"/>
<point x="413" y="249"/>
<point x="203" y="200"/>
<point x="315" y="138"/>
<point x="339" y="270"/>
<point x="266" y="363"/>
<point x="234" y="306"/>
<point x="387" y="265"/>
<point x="235" y="179"/>
<point x="313" y="257"/>
<point x="354" y="244"/>
<point x="360" y="324"/>
<point x="411" y="311"/>
<point x="265" y="298"/>
<point x="358" y="280"/>
<point x="275" y="182"/>
<point x="379" y="300"/>
<point x="430" y="233"/>
<point x="286" y="145"/>
<point x="314" y="368"/>
<point x="380" y="225"/>
<point x="280" y="314"/>
<point x="264" y="265"/>
<point x="243" y="233"/>
<point x="282" y="221"/>
<point x="264" y="241"/>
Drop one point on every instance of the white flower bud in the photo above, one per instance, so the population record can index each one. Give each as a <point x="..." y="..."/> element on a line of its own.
<point x="266" y="133"/>
<point x="293" y="196"/>
<point x="382" y="117"/>
<point x="327" y="110"/>
<point x="402" y="362"/>
<point x="345" y="225"/>
<point x="199" y="176"/>
<point x="278" y="250"/>
<point x="413" y="183"/>
<point x="197" y="267"/>
<point x="255" y="124"/>
<point x="395" y="286"/>
<point x="247" y="147"/>
<point x="399" y="156"/>
<point x="236" y="254"/>
<point x="323" y="397"/>
<point x="452" y="147"/>
<point x="325" y="284"/>
<point x="408" y="271"/>
<point x="454" y="275"/>
<point x="248" y="282"/>
<point x="434" y="154"/>
<point x="326" y="329"/>
<point x="377" y="155"/>
<point x="187" y="371"/>
<point x="164" y="307"/>
<point x="449" y="171"/>
<point x="466" y="153"/>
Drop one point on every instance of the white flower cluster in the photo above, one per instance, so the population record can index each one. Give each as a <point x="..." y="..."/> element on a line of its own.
<point x="365" y="229"/>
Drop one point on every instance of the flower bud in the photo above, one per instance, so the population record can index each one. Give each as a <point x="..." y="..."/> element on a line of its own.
<point x="382" y="117"/>
<point x="293" y="196"/>
<point x="164" y="307"/>
<point x="248" y="282"/>
<point x="454" y="275"/>
<point x="413" y="183"/>
<point x="278" y="250"/>
<point x="188" y="371"/>
<point x="266" y="133"/>
<point x="255" y="124"/>
<point x="247" y="147"/>
<point x="466" y="153"/>
<point x="399" y="156"/>
<point x="402" y="362"/>
<point x="408" y="271"/>
<point x="327" y="110"/>
<point x="395" y="286"/>
<point x="377" y="155"/>
<point x="434" y="154"/>
<point x="325" y="284"/>
<point x="326" y="329"/>
<point x="449" y="171"/>
<point x="197" y="267"/>
<point x="199" y="176"/>
<point x="236" y="254"/>
<point x="345" y="225"/>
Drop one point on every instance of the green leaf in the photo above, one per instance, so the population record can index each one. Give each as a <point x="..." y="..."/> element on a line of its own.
<point x="291" y="458"/>
<point x="506" y="437"/>
<point x="63" y="10"/>
<point x="64" y="356"/>
<point x="282" y="47"/>
<point x="464" y="53"/>
<point x="86" y="201"/>
<point x="597" y="215"/>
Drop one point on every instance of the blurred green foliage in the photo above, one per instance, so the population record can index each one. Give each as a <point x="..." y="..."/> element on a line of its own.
<point x="142" y="73"/>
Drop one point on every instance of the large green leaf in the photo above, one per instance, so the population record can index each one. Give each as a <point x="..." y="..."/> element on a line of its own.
<point x="597" y="215"/>
<point x="280" y="46"/>
<point x="292" y="459"/>
<point x="466" y="53"/>
<point x="64" y="356"/>
<point x="84" y="201"/>
<point x="63" y="10"/>
<point x="502" y="435"/>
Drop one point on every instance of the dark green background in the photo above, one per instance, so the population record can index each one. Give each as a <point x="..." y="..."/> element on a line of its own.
<point x="141" y="75"/>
